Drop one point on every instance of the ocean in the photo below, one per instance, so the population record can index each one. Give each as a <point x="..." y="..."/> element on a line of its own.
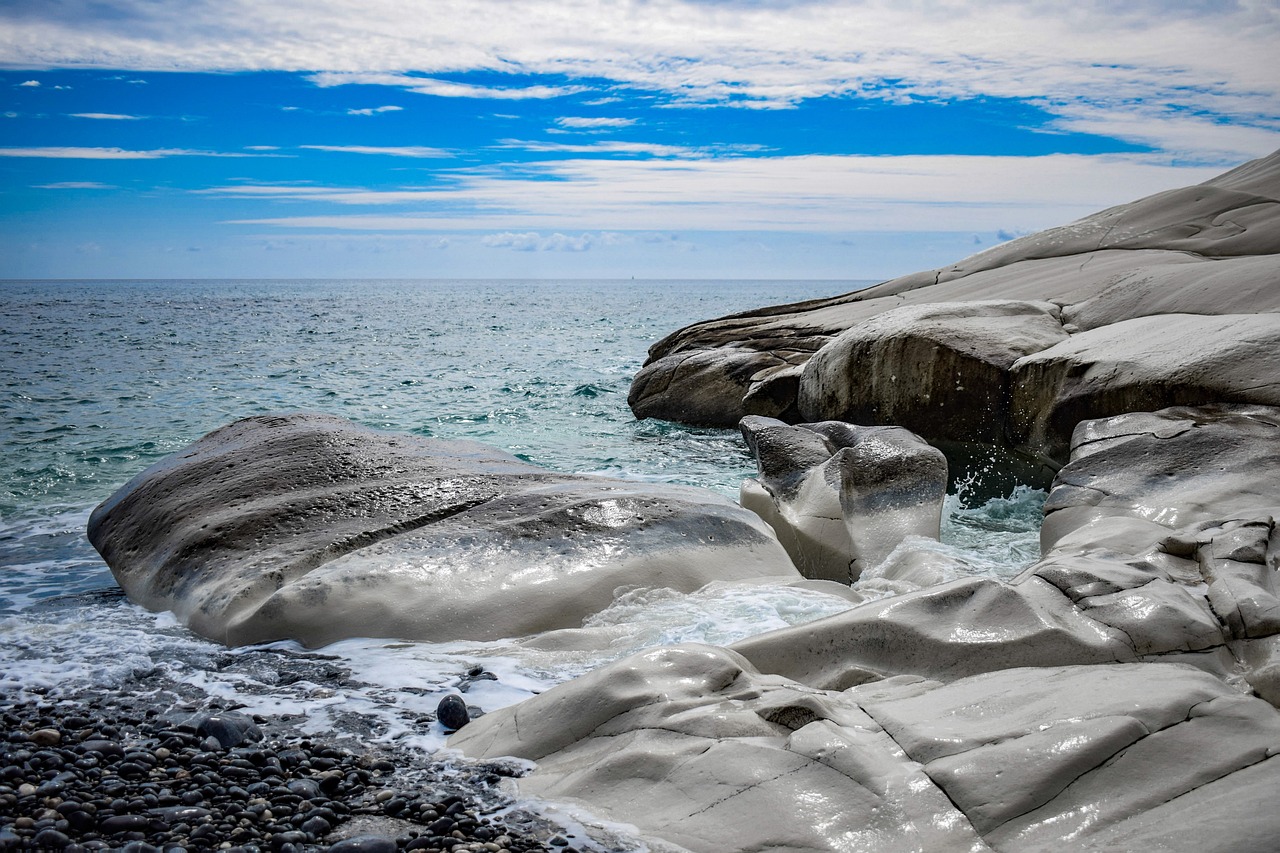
<point x="99" y="379"/>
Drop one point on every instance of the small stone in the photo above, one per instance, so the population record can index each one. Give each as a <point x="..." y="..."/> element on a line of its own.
<point x="452" y="712"/>
<point x="228" y="728"/>
<point x="316" y="826"/>
<point x="45" y="737"/>
<point x="50" y="839"/>
<point x="364" y="844"/>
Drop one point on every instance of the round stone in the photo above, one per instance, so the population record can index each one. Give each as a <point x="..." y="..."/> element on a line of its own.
<point x="452" y="712"/>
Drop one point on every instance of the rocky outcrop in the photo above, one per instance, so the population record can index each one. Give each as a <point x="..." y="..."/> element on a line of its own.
<point x="941" y="369"/>
<point x="1121" y="693"/>
<point x="839" y="496"/>
<point x="312" y="528"/>
<point x="693" y="745"/>
<point x="1154" y="303"/>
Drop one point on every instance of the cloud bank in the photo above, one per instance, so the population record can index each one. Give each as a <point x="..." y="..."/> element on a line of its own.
<point x="1157" y="73"/>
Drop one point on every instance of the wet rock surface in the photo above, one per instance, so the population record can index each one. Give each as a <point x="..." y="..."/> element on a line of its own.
<point x="1120" y="693"/>
<point x="313" y="528"/>
<point x="839" y="496"/>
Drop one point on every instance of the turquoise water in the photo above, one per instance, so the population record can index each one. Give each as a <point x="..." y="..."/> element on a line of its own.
<point x="100" y="379"/>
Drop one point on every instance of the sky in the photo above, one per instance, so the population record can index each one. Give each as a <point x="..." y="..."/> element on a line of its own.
<point x="584" y="139"/>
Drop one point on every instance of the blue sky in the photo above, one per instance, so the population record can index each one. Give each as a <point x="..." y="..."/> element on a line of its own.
<point x="719" y="138"/>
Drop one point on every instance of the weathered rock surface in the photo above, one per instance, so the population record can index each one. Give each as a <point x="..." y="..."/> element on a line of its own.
<point x="313" y="528"/>
<point x="694" y="746"/>
<point x="1123" y="282"/>
<point x="939" y="369"/>
<point x="1119" y="694"/>
<point x="839" y="496"/>
<point x="1175" y="468"/>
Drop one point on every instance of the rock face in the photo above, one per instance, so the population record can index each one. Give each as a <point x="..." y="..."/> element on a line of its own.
<point x="1119" y="694"/>
<point x="839" y="496"/>
<point x="312" y="528"/>
<point x="1135" y="308"/>
<point x="693" y="745"/>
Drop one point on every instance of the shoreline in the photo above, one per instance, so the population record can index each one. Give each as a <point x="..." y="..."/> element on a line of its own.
<point x="109" y="771"/>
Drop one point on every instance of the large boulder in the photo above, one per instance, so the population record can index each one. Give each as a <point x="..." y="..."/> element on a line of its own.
<point x="696" y="748"/>
<point x="1124" y="281"/>
<point x="313" y="528"/>
<point x="841" y="497"/>
<point x="938" y="369"/>
<point x="1141" y="365"/>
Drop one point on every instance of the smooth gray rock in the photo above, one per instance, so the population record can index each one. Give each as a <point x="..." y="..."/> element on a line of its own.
<point x="841" y="497"/>
<point x="1211" y="250"/>
<point x="695" y="747"/>
<point x="940" y="369"/>
<point x="312" y="528"/>
<point x="1174" y="468"/>
<point x="948" y="631"/>
<point x="1142" y="365"/>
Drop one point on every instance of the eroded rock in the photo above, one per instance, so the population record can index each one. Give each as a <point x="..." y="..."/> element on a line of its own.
<point x="841" y="497"/>
<point x="313" y="528"/>
<point x="939" y="369"/>
<point x="1156" y="295"/>
<point x="695" y="747"/>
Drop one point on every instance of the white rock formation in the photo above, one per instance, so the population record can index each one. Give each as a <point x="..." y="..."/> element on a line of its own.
<point x="1119" y="694"/>
<point x="696" y="748"/>
<point x="312" y="528"/>
<point x="1158" y="298"/>
<point x="839" y="496"/>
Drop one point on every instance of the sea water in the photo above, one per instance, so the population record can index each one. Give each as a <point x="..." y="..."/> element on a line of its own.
<point x="99" y="379"/>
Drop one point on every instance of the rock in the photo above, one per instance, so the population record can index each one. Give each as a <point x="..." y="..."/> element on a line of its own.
<point x="452" y="712"/>
<point x="948" y="631"/>
<point x="941" y="369"/>
<point x="696" y="748"/>
<point x="1166" y="470"/>
<point x="45" y="737"/>
<point x="1164" y="285"/>
<point x="681" y="743"/>
<point x="842" y="497"/>
<point x="228" y="728"/>
<point x="1141" y="365"/>
<point x="312" y="528"/>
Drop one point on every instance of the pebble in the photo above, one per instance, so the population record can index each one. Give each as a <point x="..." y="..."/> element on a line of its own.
<point x="452" y="712"/>
<point x="105" y="776"/>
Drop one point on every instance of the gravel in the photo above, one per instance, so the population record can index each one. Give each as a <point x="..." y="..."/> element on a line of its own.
<point x="110" y="773"/>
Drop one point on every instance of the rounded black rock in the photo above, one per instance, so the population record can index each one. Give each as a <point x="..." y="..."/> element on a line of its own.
<point x="452" y="712"/>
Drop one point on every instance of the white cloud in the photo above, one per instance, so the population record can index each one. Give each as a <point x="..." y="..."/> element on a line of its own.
<point x="532" y="241"/>
<point x="443" y="88"/>
<point x="106" y="116"/>
<point x="594" y="123"/>
<point x="30" y="83"/>
<point x="57" y="152"/>
<point x="76" y="185"/>
<point x="391" y="151"/>
<point x="652" y="149"/>
<point x="1141" y="68"/>
<point x="805" y="193"/>
<point x="369" y="111"/>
